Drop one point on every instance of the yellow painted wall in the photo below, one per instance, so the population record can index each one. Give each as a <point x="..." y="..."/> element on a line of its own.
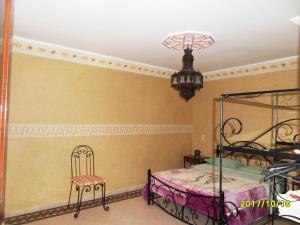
<point x="206" y="107"/>
<point x="47" y="91"/>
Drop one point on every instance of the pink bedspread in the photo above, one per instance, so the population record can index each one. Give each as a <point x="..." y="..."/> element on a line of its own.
<point x="203" y="180"/>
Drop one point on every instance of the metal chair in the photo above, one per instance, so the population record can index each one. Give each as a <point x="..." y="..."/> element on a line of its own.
<point x="83" y="176"/>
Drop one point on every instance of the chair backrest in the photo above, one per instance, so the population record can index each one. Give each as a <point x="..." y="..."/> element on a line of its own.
<point x="82" y="161"/>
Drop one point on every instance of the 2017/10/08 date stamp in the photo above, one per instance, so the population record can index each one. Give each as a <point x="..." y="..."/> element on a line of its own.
<point x="265" y="203"/>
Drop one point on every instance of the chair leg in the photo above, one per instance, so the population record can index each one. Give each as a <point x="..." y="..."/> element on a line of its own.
<point x="80" y="190"/>
<point x="78" y="202"/>
<point x="70" y="194"/>
<point x="103" y="189"/>
<point x="94" y="190"/>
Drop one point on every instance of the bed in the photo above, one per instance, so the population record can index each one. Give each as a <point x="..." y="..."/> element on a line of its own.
<point x="192" y="194"/>
<point x="200" y="196"/>
<point x="282" y="148"/>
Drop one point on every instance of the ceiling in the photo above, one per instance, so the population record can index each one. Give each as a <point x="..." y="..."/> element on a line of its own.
<point x="245" y="31"/>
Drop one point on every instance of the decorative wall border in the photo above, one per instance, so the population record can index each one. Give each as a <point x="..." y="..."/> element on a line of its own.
<point x="85" y="198"/>
<point x="61" y="210"/>
<point x="71" y="130"/>
<point x="58" y="52"/>
<point x="47" y="50"/>
<point x="289" y="63"/>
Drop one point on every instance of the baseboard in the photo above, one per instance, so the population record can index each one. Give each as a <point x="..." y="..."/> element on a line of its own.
<point x="51" y="210"/>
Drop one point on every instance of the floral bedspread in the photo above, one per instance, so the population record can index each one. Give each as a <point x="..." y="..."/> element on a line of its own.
<point x="204" y="180"/>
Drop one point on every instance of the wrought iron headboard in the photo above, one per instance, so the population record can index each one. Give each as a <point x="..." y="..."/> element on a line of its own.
<point x="285" y="134"/>
<point x="288" y="138"/>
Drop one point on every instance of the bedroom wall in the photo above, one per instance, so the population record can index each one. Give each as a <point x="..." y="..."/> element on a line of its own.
<point x="206" y="106"/>
<point x="48" y="91"/>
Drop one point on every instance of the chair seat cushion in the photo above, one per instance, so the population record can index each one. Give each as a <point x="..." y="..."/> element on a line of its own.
<point x="88" y="180"/>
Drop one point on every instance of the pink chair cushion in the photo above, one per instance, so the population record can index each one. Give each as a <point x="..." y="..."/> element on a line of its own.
<point x="88" y="180"/>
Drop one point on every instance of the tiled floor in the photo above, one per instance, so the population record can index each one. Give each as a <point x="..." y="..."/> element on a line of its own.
<point x="129" y="212"/>
<point x="134" y="211"/>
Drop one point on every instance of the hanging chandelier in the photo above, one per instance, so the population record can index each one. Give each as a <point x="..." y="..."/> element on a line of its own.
<point x="187" y="80"/>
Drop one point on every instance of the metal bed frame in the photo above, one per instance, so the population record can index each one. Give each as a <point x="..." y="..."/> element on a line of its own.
<point x="253" y="148"/>
<point x="249" y="149"/>
<point x="187" y="211"/>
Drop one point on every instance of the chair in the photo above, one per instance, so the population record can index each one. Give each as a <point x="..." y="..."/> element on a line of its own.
<point x="83" y="176"/>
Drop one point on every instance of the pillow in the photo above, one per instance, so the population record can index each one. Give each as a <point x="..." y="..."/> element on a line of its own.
<point x="226" y="162"/>
<point x="252" y="170"/>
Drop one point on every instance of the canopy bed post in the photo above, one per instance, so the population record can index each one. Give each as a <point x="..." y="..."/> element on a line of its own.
<point x="276" y="118"/>
<point x="221" y="193"/>
<point x="274" y="160"/>
<point x="148" y="187"/>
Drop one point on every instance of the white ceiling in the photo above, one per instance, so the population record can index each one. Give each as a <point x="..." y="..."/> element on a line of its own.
<point x="245" y="31"/>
